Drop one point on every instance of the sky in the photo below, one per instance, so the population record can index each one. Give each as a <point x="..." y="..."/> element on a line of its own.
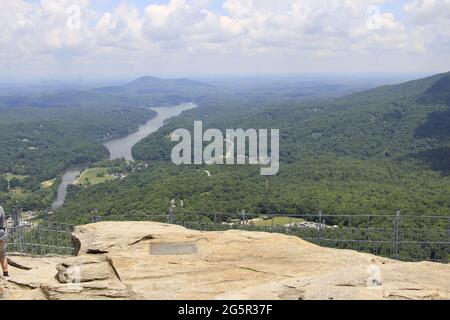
<point x="126" y="38"/>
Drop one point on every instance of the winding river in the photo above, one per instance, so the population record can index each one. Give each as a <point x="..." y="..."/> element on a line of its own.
<point x="121" y="147"/>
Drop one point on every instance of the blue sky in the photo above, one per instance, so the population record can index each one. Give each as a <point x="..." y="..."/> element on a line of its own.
<point x="394" y="6"/>
<point x="216" y="5"/>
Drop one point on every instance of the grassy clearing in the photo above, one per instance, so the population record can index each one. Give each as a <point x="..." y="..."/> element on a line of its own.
<point x="277" y="221"/>
<point x="48" y="184"/>
<point x="94" y="176"/>
<point x="19" y="194"/>
<point x="10" y="176"/>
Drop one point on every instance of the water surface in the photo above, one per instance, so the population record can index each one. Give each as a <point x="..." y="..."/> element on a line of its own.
<point x="121" y="147"/>
<point x="68" y="178"/>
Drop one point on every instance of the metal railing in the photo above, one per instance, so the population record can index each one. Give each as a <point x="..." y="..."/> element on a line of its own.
<point x="407" y="238"/>
<point x="401" y="237"/>
<point x="39" y="238"/>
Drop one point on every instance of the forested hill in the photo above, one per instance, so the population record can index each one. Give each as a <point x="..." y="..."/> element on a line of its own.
<point x="152" y="85"/>
<point x="372" y="152"/>
<point x="414" y="89"/>
<point x="439" y="92"/>
<point x="39" y="144"/>
<point x="144" y="91"/>
<point x="390" y="121"/>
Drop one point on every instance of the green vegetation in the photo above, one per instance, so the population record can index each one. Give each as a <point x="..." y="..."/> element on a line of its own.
<point x="277" y="221"/>
<point x="372" y="152"/>
<point x="48" y="183"/>
<point x="335" y="186"/>
<point x="38" y="144"/>
<point x="10" y="176"/>
<point x="93" y="176"/>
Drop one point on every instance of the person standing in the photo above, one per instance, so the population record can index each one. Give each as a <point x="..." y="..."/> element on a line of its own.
<point x="3" y="236"/>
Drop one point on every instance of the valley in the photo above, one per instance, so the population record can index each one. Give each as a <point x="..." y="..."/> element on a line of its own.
<point x="225" y="150"/>
<point x="119" y="148"/>
<point x="365" y="152"/>
<point x="365" y="160"/>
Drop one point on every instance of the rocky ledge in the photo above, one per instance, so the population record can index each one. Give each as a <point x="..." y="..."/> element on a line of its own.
<point x="142" y="260"/>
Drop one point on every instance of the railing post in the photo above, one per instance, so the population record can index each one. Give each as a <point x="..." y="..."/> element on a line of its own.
<point x="18" y="224"/>
<point x="290" y="224"/>
<point x="448" y="241"/>
<point x="319" y="230"/>
<point x="397" y="235"/>
<point x="273" y="222"/>
<point x="170" y="215"/>
<point x="40" y="240"/>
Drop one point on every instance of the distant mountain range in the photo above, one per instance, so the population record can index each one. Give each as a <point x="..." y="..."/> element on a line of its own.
<point x="153" y="91"/>
<point x="152" y="85"/>
<point x="143" y="91"/>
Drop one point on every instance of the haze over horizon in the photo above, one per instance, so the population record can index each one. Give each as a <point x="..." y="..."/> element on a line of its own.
<point x="125" y="39"/>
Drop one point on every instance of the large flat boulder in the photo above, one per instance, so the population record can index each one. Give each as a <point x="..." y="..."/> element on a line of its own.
<point x="144" y="260"/>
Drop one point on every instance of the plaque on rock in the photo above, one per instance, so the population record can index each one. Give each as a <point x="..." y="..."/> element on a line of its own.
<point x="176" y="249"/>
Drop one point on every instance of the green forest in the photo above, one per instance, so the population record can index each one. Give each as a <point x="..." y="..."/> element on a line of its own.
<point x="373" y="152"/>
<point x="38" y="144"/>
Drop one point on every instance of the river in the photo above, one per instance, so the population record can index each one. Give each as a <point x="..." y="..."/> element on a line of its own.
<point x="121" y="147"/>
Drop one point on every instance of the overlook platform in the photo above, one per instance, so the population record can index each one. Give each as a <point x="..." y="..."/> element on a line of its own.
<point x="116" y="260"/>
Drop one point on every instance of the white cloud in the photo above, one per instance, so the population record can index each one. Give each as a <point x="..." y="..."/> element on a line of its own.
<point x="121" y="28"/>
<point x="179" y="29"/>
<point x="431" y="21"/>
<point x="427" y="12"/>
